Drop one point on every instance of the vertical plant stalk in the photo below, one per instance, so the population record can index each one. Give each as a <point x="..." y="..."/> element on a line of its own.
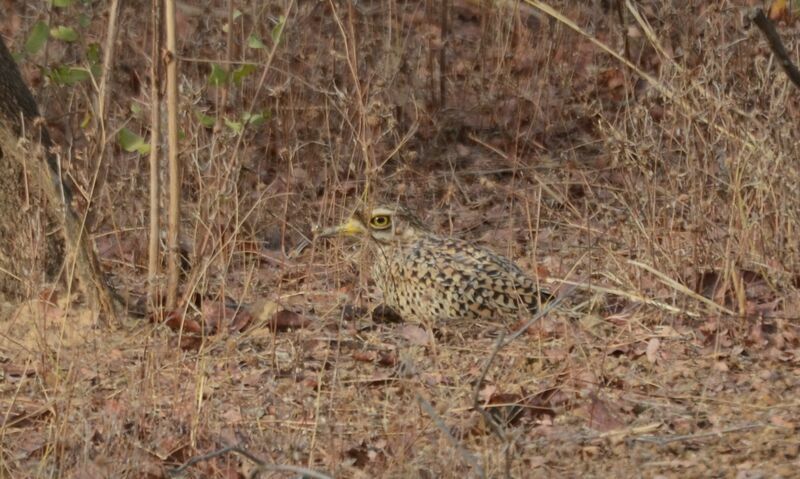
<point x="101" y="298"/>
<point x="223" y="98"/>
<point x="362" y="132"/>
<point x="623" y="28"/>
<point x="443" y="57"/>
<point x="101" y="164"/>
<point x="173" y="258"/>
<point x="108" y="56"/>
<point x="155" y="139"/>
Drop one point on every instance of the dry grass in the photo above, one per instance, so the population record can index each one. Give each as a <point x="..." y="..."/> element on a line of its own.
<point x="672" y="203"/>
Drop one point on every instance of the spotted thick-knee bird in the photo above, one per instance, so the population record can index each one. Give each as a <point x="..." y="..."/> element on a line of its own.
<point x="427" y="277"/>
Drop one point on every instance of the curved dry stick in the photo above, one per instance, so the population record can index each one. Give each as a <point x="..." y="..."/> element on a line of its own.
<point x="261" y="464"/>
<point x="776" y="45"/>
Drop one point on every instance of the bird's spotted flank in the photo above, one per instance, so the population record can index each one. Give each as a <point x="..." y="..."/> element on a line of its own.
<point x="426" y="277"/>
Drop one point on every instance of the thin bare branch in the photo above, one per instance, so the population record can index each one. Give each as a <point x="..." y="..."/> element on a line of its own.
<point x="264" y="466"/>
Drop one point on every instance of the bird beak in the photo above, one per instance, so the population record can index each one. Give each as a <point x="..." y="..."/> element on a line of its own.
<point x="353" y="227"/>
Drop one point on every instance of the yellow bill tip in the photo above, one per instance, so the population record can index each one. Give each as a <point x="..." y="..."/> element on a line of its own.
<point x="352" y="227"/>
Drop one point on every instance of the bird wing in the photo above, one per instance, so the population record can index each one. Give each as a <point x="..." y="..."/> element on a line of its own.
<point x="490" y="283"/>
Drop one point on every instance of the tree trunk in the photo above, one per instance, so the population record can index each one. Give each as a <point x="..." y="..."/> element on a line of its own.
<point x="37" y="224"/>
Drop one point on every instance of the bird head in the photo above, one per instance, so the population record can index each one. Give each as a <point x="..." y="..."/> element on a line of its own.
<point x="384" y="224"/>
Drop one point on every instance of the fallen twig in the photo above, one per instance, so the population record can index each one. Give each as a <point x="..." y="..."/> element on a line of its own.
<point x="502" y="342"/>
<point x="661" y="441"/>
<point x="476" y="404"/>
<point x="262" y="466"/>
<point x="776" y="45"/>
<point x="631" y="296"/>
<point x="466" y="455"/>
<point x="681" y="288"/>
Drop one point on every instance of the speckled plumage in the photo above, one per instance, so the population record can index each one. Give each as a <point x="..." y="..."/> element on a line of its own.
<point x="427" y="277"/>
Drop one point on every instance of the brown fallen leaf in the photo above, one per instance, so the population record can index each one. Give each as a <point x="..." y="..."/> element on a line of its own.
<point x="217" y="316"/>
<point x="782" y="421"/>
<point x="351" y="313"/>
<point x="241" y="320"/>
<point x="415" y="335"/>
<point x="190" y="342"/>
<point x="232" y="416"/>
<point x="387" y="358"/>
<point x="510" y="408"/>
<point x="652" y="350"/>
<point x="487" y="392"/>
<point x="263" y="309"/>
<point x="365" y="356"/>
<point x="506" y="408"/>
<point x="542" y="403"/>
<point x="601" y="415"/>
<point x="284" y="320"/>
<point x="175" y="321"/>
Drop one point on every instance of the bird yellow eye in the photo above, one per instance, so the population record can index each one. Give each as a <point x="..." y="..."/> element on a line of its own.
<point x="380" y="222"/>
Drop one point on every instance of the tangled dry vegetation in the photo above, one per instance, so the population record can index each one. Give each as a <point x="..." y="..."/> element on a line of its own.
<point x="663" y="196"/>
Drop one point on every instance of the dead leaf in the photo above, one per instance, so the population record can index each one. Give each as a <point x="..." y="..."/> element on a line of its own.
<point x="506" y="408"/>
<point x="351" y="313"/>
<point x="176" y="321"/>
<point x="241" y="320"/>
<point x="613" y="78"/>
<point x="232" y="416"/>
<point x="415" y="335"/>
<point x="285" y="320"/>
<point x="387" y="358"/>
<point x="634" y="32"/>
<point x="263" y="309"/>
<point x="487" y="392"/>
<point x="601" y="415"/>
<point x="652" y="350"/>
<point x="365" y="356"/>
<point x="781" y="421"/>
<point x="778" y="10"/>
<point x="190" y="342"/>
<point x="721" y="366"/>
<point x="218" y="316"/>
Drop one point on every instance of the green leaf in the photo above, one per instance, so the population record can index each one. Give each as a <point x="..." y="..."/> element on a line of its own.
<point x="65" y="34"/>
<point x="93" y="53"/>
<point x="240" y="73"/>
<point x="87" y="118"/>
<point x="205" y="120"/>
<point x="235" y="126"/>
<point x="237" y="13"/>
<point x="218" y="76"/>
<point x="66" y="75"/>
<point x="62" y="3"/>
<point x="256" y="119"/>
<point x="277" y="30"/>
<point x="131" y="142"/>
<point x="36" y="38"/>
<point x="96" y="69"/>
<point x="254" y="41"/>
